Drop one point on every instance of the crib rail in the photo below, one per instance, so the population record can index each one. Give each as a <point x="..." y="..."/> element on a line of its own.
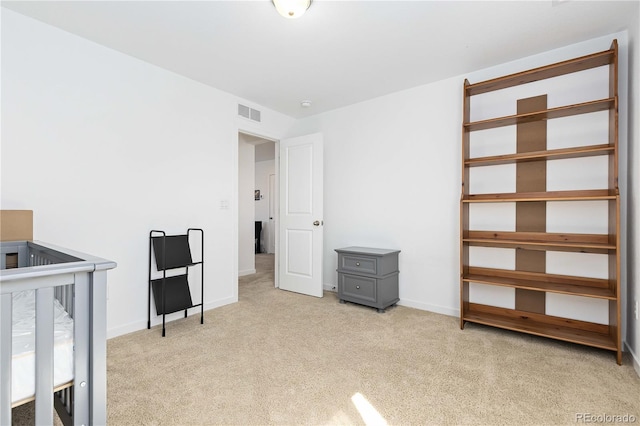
<point x="78" y="281"/>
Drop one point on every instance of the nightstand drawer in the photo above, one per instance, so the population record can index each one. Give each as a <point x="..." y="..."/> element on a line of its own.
<point x="358" y="264"/>
<point x="362" y="288"/>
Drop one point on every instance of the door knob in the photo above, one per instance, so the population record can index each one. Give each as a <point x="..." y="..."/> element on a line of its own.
<point x="316" y="223"/>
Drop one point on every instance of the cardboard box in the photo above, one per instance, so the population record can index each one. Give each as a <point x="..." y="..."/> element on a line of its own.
<point x="16" y="225"/>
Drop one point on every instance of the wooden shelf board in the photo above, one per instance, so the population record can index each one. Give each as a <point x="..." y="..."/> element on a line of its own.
<point x="554" y="154"/>
<point x="585" y="243"/>
<point x="581" y="195"/>
<point x="563" y="111"/>
<point x="577" y="289"/>
<point x="528" y="245"/>
<point x="533" y="324"/>
<point x="549" y="71"/>
<point x="544" y="237"/>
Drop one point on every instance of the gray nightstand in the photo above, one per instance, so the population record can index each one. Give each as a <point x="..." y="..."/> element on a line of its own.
<point x="368" y="276"/>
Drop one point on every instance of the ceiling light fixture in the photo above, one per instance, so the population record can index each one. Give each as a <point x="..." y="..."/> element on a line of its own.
<point x="305" y="104"/>
<point x="292" y="9"/>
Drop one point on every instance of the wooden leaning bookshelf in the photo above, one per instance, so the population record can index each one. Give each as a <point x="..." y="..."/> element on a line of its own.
<point x="530" y="240"/>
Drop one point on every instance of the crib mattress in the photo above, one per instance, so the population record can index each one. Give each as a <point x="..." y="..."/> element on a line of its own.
<point x="23" y="346"/>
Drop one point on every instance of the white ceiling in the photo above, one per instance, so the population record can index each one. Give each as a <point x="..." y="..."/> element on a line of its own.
<point x="339" y="52"/>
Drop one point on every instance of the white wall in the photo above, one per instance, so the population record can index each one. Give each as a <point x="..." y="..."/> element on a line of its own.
<point x="392" y="177"/>
<point x="104" y="147"/>
<point x="392" y="180"/>
<point x="633" y="293"/>
<point x="263" y="170"/>
<point x="246" y="207"/>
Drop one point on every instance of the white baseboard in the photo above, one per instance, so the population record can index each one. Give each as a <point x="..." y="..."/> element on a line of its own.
<point x="246" y="272"/>
<point x="156" y="320"/>
<point x="413" y="304"/>
<point x="126" y="329"/>
<point x="330" y="287"/>
<point x="429" y="307"/>
<point x="220" y="302"/>
<point x="635" y="359"/>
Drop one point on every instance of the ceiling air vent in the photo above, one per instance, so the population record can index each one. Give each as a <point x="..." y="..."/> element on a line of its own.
<point x="250" y="113"/>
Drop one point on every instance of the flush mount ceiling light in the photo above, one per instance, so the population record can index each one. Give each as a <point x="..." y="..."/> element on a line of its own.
<point x="292" y="9"/>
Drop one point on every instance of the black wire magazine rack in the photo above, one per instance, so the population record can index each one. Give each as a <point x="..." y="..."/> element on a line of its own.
<point x="172" y="293"/>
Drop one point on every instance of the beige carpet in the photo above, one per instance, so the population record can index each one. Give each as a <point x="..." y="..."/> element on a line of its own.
<point x="282" y="358"/>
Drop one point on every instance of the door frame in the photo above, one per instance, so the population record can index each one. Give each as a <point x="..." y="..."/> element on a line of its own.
<point x="273" y="204"/>
<point x="235" y="203"/>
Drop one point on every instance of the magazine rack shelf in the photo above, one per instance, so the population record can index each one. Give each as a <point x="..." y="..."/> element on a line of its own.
<point x="172" y="293"/>
<point x="531" y="241"/>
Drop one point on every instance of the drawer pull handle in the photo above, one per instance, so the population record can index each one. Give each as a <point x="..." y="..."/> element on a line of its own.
<point x="357" y="263"/>
<point x="358" y="287"/>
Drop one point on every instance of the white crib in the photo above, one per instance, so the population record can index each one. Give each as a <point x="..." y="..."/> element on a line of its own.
<point x="69" y="287"/>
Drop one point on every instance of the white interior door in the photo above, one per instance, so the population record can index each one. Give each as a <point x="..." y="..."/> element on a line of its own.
<point x="301" y="210"/>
